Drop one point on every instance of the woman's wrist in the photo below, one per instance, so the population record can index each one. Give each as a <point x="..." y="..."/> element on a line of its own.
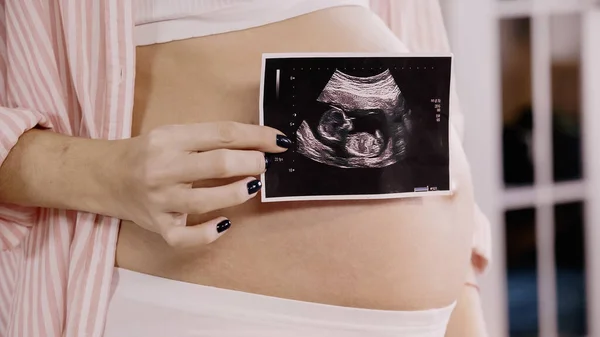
<point x="46" y="169"/>
<point x="472" y="286"/>
<point x="98" y="168"/>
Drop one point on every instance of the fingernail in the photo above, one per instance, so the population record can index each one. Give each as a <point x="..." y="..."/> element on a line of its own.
<point x="267" y="161"/>
<point x="284" y="142"/>
<point x="223" y="226"/>
<point x="254" y="186"/>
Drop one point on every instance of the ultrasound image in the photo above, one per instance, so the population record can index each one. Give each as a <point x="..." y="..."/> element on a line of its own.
<point x="363" y="127"/>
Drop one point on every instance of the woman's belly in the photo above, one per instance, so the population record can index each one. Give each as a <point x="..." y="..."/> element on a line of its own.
<point x="405" y="254"/>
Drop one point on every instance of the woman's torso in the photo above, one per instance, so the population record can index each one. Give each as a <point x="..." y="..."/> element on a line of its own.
<point x="398" y="254"/>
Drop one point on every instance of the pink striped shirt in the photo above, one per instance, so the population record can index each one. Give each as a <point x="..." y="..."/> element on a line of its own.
<point x="69" y="66"/>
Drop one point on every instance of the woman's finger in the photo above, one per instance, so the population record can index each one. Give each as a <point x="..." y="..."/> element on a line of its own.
<point x="229" y="135"/>
<point x="207" y="199"/>
<point x="218" y="164"/>
<point x="182" y="237"/>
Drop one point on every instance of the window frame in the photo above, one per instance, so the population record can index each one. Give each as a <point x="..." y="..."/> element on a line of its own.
<point x="473" y="27"/>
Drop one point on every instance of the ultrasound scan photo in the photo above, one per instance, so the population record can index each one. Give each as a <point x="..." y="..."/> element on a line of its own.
<point x="362" y="126"/>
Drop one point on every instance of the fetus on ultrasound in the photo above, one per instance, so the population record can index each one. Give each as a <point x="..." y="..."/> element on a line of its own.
<point x="366" y="124"/>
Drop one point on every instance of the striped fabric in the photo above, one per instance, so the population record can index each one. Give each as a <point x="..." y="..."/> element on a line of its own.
<point x="68" y="65"/>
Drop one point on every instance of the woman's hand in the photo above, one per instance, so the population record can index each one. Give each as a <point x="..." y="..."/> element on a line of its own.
<point x="145" y="179"/>
<point x="154" y="188"/>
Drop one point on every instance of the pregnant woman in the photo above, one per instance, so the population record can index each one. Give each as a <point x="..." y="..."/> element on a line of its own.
<point x="128" y="181"/>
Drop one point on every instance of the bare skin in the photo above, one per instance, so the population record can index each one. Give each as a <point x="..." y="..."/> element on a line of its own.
<point x="467" y="317"/>
<point x="410" y="254"/>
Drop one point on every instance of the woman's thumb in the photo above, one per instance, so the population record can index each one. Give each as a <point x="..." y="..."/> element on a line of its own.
<point x="196" y="235"/>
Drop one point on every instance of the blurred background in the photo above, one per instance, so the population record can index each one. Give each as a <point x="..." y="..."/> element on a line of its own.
<point x="528" y="76"/>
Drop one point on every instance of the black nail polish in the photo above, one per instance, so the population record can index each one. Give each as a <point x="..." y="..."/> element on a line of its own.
<point x="267" y="161"/>
<point x="284" y="142"/>
<point x="254" y="186"/>
<point x="223" y="226"/>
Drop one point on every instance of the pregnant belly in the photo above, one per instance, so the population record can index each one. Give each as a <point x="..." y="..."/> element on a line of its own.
<point x="396" y="254"/>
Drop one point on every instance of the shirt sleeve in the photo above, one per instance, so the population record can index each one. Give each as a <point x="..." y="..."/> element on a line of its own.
<point x="419" y="24"/>
<point x="15" y="120"/>
<point x="15" y="220"/>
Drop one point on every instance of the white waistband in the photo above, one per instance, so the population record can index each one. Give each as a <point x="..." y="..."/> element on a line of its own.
<point x="154" y="26"/>
<point x="144" y="305"/>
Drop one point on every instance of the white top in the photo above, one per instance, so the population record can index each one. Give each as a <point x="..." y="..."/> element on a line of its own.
<point x="159" y="21"/>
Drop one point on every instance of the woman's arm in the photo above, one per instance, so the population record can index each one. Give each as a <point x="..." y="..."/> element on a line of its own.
<point x="146" y="179"/>
<point x="46" y="169"/>
<point x="14" y="122"/>
<point x="467" y="318"/>
<point x="40" y="168"/>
